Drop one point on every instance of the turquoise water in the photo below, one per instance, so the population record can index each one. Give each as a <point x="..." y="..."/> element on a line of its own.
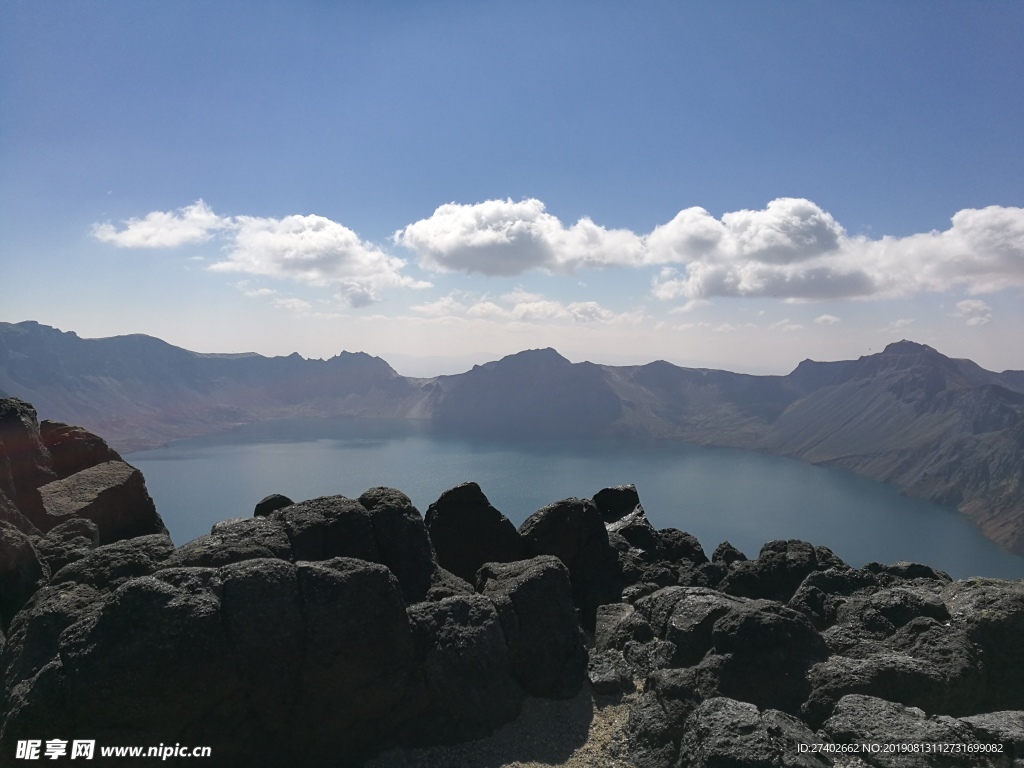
<point x="714" y="493"/>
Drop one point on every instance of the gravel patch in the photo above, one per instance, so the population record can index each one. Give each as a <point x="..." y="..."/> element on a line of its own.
<point x="582" y="732"/>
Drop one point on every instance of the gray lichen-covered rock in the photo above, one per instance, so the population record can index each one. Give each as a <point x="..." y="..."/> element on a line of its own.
<point x="113" y="495"/>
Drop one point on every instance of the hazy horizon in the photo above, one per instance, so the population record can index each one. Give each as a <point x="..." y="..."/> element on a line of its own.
<point x="733" y="186"/>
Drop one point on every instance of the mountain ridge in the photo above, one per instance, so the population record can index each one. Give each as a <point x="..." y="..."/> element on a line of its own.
<point x="940" y="428"/>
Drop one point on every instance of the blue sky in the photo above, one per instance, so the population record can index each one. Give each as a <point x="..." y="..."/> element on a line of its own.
<point x="735" y="185"/>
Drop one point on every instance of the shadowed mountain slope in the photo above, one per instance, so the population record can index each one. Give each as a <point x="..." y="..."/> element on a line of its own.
<point x="939" y="428"/>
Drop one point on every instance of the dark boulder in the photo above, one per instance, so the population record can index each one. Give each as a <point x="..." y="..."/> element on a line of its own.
<point x="446" y="584"/>
<point x="466" y="532"/>
<point x="868" y="720"/>
<point x="328" y="527"/>
<point x="829" y="559"/>
<point x="651" y="735"/>
<point x="21" y="572"/>
<point x="904" y="571"/>
<point x="636" y="529"/>
<point x="234" y="541"/>
<point x="725" y="732"/>
<point x="658" y="717"/>
<point x="470" y="687"/>
<point x="24" y="461"/>
<point x="1004" y="728"/>
<point x="899" y="605"/>
<point x="157" y="646"/>
<point x="616" y="502"/>
<point x="821" y="596"/>
<point x="534" y="603"/>
<point x="262" y="614"/>
<point x="271" y="503"/>
<point x="34" y="633"/>
<point x="893" y="676"/>
<point x="113" y="495"/>
<point x="991" y="613"/>
<point x="73" y="449"/>
<point x="11" y="514"/>
<point x="359" y="670"/>
<point x="762" y="653"/>
<point x="67" y="542"/>
<point x="686" y="616"/>
<point x="728" y="554"/>
<point x="572" y="531"/>
<point x="401" y="540"/>
<point x="678" y="545"/>
<point x="780" y="568"/>
<point x="110" y="565"/>
<point x="618" y="624"/>
<point x="610" y="674"/>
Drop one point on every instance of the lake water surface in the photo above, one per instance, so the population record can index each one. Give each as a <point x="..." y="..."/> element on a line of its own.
<point x="714" y="493"/>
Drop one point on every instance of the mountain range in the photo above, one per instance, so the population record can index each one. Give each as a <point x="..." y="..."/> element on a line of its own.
<point x="939" y="428"/>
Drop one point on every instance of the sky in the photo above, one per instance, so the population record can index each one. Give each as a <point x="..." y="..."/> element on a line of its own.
<point x="737" y="185"/>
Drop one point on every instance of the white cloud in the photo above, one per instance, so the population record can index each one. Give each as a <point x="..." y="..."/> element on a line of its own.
<point x="500" y="237"/>
<point x="793" y="250"/>
<point x="522" y="307"/>
<point x="298" y="306"/>
<point x="690" y="306"/>
<point x="827" y="320"/>
<point x="974" y="312"/>
<point x="307" y="249"/>
<point x="899" y="325"/>
<point x="784" y="325"/>
<point x="194" y="223"/>
<point x="714" y="327"/>
<point x="260" y="292"/>
<point x="317" y="251"/>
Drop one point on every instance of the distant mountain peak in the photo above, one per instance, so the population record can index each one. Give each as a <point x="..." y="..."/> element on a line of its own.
<point x="905" y="347"/>
<point x="545" y="356"/>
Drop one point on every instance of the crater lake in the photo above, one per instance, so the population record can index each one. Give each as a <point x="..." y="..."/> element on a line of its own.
<point x="717" y="494"/>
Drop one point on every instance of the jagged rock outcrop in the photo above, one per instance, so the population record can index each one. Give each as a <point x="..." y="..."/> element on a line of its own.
<point x="328" y="630"/>
<point x="112" y="495"/>
<point x="467" y="532"/>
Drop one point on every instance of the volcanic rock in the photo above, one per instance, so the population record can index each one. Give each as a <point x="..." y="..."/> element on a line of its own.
<point x="113" y="495"/>
<point x="534" y="602"/>
<point x="466" y="532"/>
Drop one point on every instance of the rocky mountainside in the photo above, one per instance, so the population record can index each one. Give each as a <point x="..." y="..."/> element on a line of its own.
<point x="938" y="428"/>
<point x="333" y="630"/>
<point x="138" y="391"/>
